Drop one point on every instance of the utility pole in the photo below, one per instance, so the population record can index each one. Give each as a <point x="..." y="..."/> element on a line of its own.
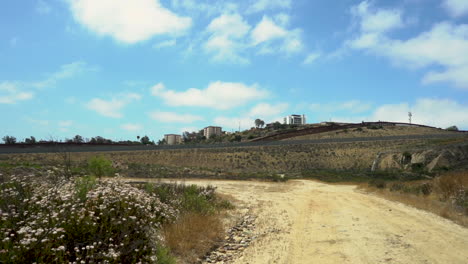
<point x="409" y="116"/>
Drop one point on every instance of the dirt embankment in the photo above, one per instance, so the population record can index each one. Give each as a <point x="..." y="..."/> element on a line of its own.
<point x="287" y="158"/>
<point x="381" y="132"/>
<point x="427" y="159"/>
<point x="311" y="222"/>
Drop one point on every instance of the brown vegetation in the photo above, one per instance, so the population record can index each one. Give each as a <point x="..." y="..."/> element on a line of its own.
<point x="193" y="235"/>
<point x="446" y="196"/>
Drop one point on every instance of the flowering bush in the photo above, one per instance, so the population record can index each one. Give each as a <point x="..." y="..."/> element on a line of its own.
<point x="79" y="221"/>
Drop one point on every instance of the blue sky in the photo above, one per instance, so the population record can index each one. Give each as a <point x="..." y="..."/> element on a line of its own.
<point x="119" y="69"/>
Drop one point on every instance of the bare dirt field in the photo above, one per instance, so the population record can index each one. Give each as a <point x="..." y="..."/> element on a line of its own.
<point x="310" y="222"/>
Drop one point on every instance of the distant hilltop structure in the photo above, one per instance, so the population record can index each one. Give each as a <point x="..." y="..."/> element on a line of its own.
<point x="172" y="139"/>
<point x="295" y="120"/>
<point x="212" y="131"/>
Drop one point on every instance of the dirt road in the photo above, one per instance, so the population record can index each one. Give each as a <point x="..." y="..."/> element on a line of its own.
<point x="311" y="222"/>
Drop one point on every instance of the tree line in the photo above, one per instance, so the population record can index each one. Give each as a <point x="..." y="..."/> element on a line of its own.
<point x="10" y="140"/>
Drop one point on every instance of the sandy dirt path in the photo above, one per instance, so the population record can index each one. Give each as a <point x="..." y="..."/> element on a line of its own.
<point x="310" y="222"/>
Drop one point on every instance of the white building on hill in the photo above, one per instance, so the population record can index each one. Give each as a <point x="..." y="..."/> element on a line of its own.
<point x="295" y="120"/>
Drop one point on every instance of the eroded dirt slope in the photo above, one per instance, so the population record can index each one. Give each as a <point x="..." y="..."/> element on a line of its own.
<point x="309" y="222"/>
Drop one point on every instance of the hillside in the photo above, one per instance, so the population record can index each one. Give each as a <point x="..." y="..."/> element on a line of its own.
<point x="379" y="132"/>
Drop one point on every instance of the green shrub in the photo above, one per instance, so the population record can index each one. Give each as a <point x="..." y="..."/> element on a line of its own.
<point x="196" y="199"/>
<point x="236" y="138"/>
<point x="99" y="166"/>
<point x="417" y="167"/>
<point x="190" y="198"/>
<point x="163" y="256"/>
<point x="375" y="127"/>
<point x="452" y="128"/>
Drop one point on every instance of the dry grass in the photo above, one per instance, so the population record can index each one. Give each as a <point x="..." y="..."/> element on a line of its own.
<point x="444" y="200"/>
<point x="449" y="184"/>
<point x="193" y="235"/>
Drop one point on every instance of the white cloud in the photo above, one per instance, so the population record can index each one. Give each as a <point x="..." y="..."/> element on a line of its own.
<point x="293" y="43"/>
<point x="312" y="57"/>
<point x="171" y="117"/>
<point x="157" y="89"/>
<point x="456" y="8"/>
<point x="229" y="24"/>
<point x="66" y="71"/>
<point x="218" y="95"/>
<point x="14" y="91"/>
<point x="131" y="127"/>
<point x="428" y="49"/>
<point x="377" y="20"/>
<point x="128" y="21"/>
<point x="111" y="108"/>
<point x="374" y="23"/>
<point x="207" y="8"/>
<point x="225" y="41"/>
<point x="457" y="75"/>
<point x="267" y="31"/>
<point x="426" y="111"/>
<point x="231" y="38"/>
<point x="262" y="5"/>
<point x="435" y="112"/>
<point x="431" y="49"/>
<point x="106" y="108"/>
<point x="10" y="94"/>
<point x="165" y="44"/>
<point x="265" y="110"/>
<point x="43" y="8"/>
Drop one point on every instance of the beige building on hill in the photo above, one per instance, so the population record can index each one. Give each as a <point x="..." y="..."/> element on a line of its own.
<point x="212" y="130"/>
<point x="173" y="139"/>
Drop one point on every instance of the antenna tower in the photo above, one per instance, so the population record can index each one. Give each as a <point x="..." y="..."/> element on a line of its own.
<point x="409" y="116"/>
